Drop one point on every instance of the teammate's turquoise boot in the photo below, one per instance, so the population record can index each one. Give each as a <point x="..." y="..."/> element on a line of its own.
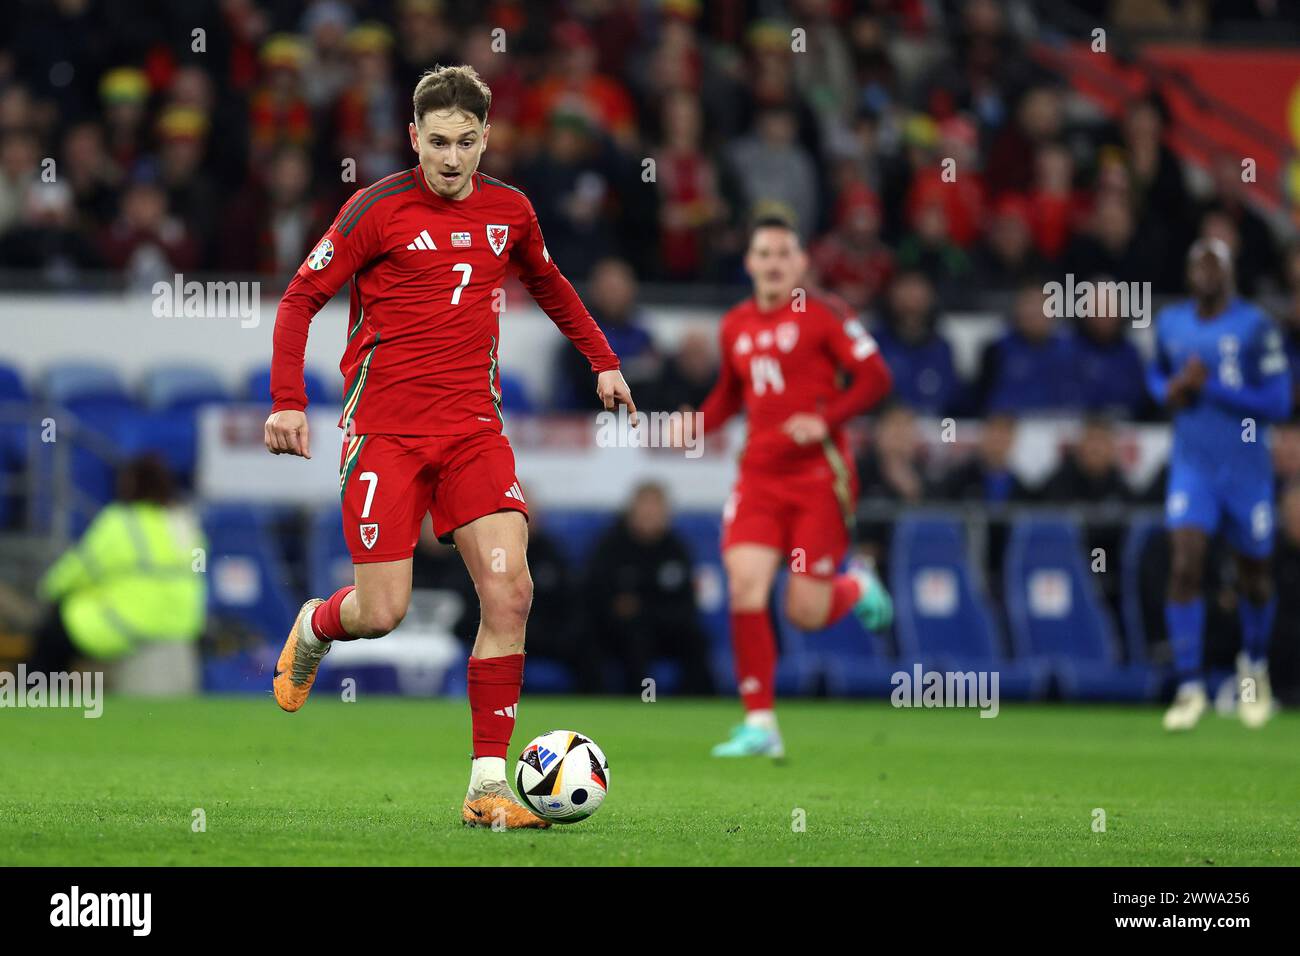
<point x="747" y="741"/>
<point x="875" y="609"/>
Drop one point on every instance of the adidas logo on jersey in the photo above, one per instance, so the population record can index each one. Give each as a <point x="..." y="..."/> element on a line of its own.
<point x="506" y="711"/>
<point x="514" y="491"/>
<point x="422" y="241"/>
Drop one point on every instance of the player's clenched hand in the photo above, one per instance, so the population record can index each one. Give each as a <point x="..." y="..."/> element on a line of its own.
<point x="286" y="433"/>
<point x="805" y="429"/>
<point x="1189" y="380"/>
<point x="1195" y="373"/>
<point x="612" y="390"/>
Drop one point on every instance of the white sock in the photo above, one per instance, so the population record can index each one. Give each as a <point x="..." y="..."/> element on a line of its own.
<point x="486" y="770"/>
<point x="763" y="719"/>
<point x="1191" y="686"/>
<point x="309" y="637"/>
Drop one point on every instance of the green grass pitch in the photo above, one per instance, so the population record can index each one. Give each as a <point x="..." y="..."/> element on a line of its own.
<point x="379" y="781"/>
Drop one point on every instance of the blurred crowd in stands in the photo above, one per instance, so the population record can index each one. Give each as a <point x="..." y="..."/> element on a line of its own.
<point x="223" y="136"/>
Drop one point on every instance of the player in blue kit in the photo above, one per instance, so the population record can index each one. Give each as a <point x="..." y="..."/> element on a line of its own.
<point x="1220" y="369"/>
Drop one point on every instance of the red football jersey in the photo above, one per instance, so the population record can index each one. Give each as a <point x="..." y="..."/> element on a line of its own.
<point x="788" y="361"/>
<point x="427" y="277"/>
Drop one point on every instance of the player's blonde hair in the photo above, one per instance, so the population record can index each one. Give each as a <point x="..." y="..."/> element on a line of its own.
<point x="452" y="88"/>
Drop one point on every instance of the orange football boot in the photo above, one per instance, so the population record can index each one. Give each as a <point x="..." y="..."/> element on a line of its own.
<point x="495" y="804"/>
<point x="295" y="671"/>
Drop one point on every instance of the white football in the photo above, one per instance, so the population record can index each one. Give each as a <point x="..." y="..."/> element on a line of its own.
<point x="562" y="776"/>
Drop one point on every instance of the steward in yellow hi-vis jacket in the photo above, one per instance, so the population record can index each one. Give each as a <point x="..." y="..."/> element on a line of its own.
<point x="134" y="576"/>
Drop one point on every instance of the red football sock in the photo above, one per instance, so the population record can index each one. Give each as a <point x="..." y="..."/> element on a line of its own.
<point x="754" y="646"/>
<point x="845" y="591"/>
<point x="494" y="684"/>
<point x="327" y="619"/>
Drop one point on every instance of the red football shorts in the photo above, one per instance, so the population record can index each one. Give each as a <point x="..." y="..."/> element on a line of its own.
<point x="389" y="483"/>
<point x="806" y="517"/>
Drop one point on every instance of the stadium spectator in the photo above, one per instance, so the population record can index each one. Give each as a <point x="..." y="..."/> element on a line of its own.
<point x="889" y="471"/>
<point x="891" y="467"/>
<point x="146" y="242"/>
<point x="691" y="206"/>
<point x="182" y="133"/>
<point x="573" y="86"/>
<point x="987" y="67"/>
<point x="273" y="224"/>
<point x="1039" y="119"/>
<point x="1156" y="175"/>
<point x="687" y="375"/>
<point x="774" y="168"/>
<point x="852" y="261"/>
<point x="1090" y="475"/>
<point x="371" y="114"/>
<point x="19" y="171"/>
<point x="987" y="476"/>
<point x="47" y="241"/>
<point x="95" y="180"/>
<point x="571" y="184"/>
<point x="930" y="249"/>
<point x="919" y="358"/>
<point x="824" y="74"/>
<point x="641" y="598"/>
<point x="1006" y="259"/>
<point x="1112" y="244"/>
<point x="1258" y="258"/>
<point x="125" y="92"/>
<point x="425" y="37"/>
<point x="1056" y="208"/>
<point x="1090" y="471"/>
<point x="326" y="24"/>
<point x="612" y="300"/>
<point x="1029" y="368"/>
<point x="951" y="179"/>
<point x="130" y="581"/>
<point x="279" y="113"/>
<point x="1108" y="369"/>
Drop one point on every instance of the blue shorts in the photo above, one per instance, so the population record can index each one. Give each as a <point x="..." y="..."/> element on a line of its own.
<point x="1244" y="504"/>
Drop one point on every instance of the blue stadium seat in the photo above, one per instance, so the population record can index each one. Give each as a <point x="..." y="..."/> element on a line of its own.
<point x="258" y="387"/>
<point x="514" y="395"/>
<point x="96" y="397"/>
<point x="576" y="531"/>
<point x="1057" y="614"/>
<point x="13" y="435"/>
<point x="1136" y="540"/>
<point x="173" y="435"/>
<point x="12" y="388"/>
<point x="941" y="615"/>
<point x="246" y="577"/>
<point x="70" y="383"/>
<point x="329" y="564"/>
<point x="182" y="387"/>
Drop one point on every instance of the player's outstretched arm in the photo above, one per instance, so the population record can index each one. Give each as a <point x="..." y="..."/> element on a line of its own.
<point x="285" y="433"/>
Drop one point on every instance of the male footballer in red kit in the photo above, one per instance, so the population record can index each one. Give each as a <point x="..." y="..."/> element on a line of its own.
<point x="425" y="252"/>
<point x="784" y="355"/>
